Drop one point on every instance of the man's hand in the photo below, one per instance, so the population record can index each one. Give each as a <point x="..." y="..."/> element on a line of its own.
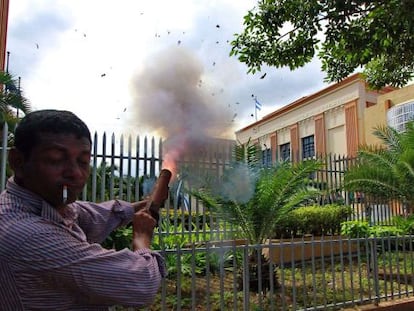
<point x="140" y="205"/>
<point x="143" y="226"/>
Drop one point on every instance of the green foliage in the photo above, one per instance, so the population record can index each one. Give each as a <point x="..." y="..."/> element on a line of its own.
<point x="355" y="229"/>
<point x="176" y="260"/>
<point x="315" y="220"/>
<point x="109" y="184"/>
<point x="388" y="172"/>
<point x="256" y="199"/>
<point x="11" y="101"/>
<point x="406" y="224"/>
<point x="185" y="257"/>
<point x="385" y="231"/>
<point x="182" y="255"/>
<point x="345" y="35"/>
<point x="247" y="153"/>
<point x="119" y="239"/>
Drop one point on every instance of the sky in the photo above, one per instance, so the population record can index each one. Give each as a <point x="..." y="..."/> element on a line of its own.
<point x="146" y="67"/>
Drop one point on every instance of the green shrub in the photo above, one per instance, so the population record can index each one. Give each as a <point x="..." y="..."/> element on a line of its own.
<point x="355" y="229"/>
<point x="171" y="222"/>
<point x="358" y="229"/>
<point x="175" y="240"/>
<point x="315" y="220"/>
<point x="182" y="255"/>
<point x="406" y="224"/>
<point x="119" y="239"/>
<point x="385" y="231"/>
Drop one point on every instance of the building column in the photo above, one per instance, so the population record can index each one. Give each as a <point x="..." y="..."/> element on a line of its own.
<point x="294" y="142"/>
<point x="273" y="146"/>
<point x="351" y="128"/>
<point x="320" y="135"/>
<point x="4" y="14"/>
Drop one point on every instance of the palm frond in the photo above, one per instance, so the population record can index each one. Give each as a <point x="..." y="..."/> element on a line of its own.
<point x="389" y="137"/>
<point x="387" y="172"/>
<point x="247" y="153"/>
<point x="12" y="101"/>
<point x="275" y="191"/>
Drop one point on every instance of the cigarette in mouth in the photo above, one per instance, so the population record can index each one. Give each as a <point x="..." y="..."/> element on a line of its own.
<point x="65" y="194"/>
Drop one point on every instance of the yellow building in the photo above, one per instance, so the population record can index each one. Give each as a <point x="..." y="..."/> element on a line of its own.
<point x="394" y="108"/>
<point x="4" y="13"/>
<point x="331" y="121"/>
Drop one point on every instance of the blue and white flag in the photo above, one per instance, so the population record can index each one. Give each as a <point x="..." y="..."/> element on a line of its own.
<point x="258" y="105"/>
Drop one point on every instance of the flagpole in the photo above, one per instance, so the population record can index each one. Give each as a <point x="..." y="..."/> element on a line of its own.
<point x="255" y="110"/>
<point x="257" y="106"/>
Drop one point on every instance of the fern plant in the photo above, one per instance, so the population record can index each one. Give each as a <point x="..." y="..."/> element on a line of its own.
<point x="256" y="198"/>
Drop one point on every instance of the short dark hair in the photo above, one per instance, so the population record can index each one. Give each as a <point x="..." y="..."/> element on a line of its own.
<point x="28" y="130"/>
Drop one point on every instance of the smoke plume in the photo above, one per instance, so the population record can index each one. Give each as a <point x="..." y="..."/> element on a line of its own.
<point x="174" y="99"/>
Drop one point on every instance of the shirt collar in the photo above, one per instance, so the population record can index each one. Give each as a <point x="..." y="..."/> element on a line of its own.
<point x="38" y="206"/>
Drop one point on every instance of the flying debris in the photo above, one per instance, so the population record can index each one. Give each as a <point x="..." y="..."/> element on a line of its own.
<point x="103" y="75"/>
<point x="124" y="109"/>
<point x="214" y="63"/>
<point x="217" y="42"/>
<point x="237" y="103"/>
<point x="179" y="42"/>
<point x="37" y="46"/>
<point x="263" y="75"/>
<point x="218" y="26"/>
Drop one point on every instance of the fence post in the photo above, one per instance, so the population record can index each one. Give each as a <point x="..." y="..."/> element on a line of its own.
<point x="4" y="156"/>
<point x="246" y="278"/>
<point x="374" y="269"/>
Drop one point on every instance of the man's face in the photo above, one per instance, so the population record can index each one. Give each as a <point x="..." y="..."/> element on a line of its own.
<point x="58" y="160"/>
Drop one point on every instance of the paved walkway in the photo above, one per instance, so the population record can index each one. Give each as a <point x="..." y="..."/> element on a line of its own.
<point x="403" y="304"/>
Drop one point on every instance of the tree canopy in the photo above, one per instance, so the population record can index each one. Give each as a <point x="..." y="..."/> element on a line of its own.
<point x="375" y="37"/>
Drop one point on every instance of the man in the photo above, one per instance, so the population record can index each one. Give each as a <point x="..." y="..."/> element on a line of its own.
<point x="50" y="258"/>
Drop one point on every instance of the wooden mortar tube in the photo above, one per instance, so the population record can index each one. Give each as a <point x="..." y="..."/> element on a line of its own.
<point x="159" y="194"/>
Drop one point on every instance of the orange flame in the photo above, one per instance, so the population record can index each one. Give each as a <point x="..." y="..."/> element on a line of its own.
<point x="170" y="161"/>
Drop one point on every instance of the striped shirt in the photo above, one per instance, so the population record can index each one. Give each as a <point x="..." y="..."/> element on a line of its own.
<point x="54" y="262"/>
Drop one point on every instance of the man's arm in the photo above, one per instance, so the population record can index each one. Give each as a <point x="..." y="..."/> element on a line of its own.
<point x="98" y="220"/>
<point x="102" y="277"/>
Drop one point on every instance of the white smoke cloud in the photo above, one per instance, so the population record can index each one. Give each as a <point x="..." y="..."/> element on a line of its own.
<point x="172" y="97"/>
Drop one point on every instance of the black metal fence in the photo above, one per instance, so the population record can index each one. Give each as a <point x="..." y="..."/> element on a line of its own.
<point x="210" y="269"/>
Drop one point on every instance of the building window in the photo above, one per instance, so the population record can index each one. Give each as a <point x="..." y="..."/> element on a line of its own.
<point x="284" y="152"/>
<point x="308" y="147"/>
<point x="266" y="157"/>
<point x="399" y="115"/>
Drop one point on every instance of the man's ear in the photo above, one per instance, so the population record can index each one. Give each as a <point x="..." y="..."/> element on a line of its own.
<point x="16" y="160"/>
